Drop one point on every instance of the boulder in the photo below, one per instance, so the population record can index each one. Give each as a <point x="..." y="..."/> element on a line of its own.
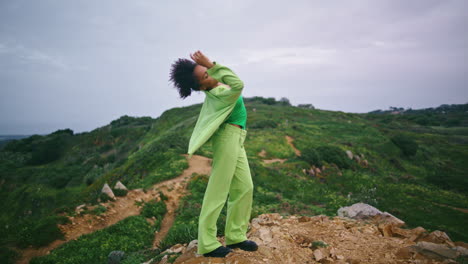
<point x="120" y="186"/>
<point x="364" y="211"/>
<point x="435" y="251"/>
<point x="107" y="190"/>
<point x="437" y="237"/>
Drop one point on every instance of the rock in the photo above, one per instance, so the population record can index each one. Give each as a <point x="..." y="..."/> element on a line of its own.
<point x="364" y="211"/>
<point x="115" y="257"/>
<point x="120" y="186"/>
<point x="365" y="163"/>
<point x="416" y="233"/>
<point x="353" y="261"/>
<point x="461" y="251"/>
<point x="435" y="251"/>
<point x="390" y="230"/>
<point x="318" y="255"/>
<point x="80" y="208"/>
<point x="107" y="190"/>
<point x="304" y="219"/>
<point x="164" y="259"/>
<point x="461" y="244"/>
<point x="265" y="235"/>
<point x="357" y="158"/>
<point x="437" y="237"/>
<point x="177" y="248"/>
<point x="328" y="260"/>
<point x="192" y="244"/>
<point x="404" y="253"/>
<point x="267" y="219"/>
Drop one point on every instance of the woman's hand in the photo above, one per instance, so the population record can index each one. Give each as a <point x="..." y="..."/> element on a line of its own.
<point x="201" y="59"/>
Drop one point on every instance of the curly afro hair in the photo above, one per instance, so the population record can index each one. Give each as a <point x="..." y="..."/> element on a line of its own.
<point x="183" y="78"/>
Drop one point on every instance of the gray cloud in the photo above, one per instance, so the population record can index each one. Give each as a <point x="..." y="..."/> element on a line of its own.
<point x="81" y="64"/>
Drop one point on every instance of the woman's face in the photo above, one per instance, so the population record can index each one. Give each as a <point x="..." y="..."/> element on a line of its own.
<point x="206" y="81"/>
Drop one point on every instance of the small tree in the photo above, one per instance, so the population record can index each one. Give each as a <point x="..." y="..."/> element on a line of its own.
<point x="285" y="101"/>
<point x="308" y="106"/>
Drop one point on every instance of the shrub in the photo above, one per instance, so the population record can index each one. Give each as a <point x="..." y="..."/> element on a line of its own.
<point x="330" y="154"/>
<point x="104" y="197"/>
<point x="265" y="123"/>
<point x="163" y="196"/>
<point x="311" y="156"/>
<point x="99" y="210"/>
<point x="129" y="235"/>
<point x="8" y="255"/>
<point x="407" y="145"/>
<point x="154" y="208"/>
<point x="39" y="233"/>
<point x="333" y="154"/>
<point x="120" y="192"/>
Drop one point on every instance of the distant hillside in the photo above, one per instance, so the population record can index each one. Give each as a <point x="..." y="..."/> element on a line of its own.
<point x="5" y="138"/>
<point x="444" y="115"/>
<point x="304" y="161"/>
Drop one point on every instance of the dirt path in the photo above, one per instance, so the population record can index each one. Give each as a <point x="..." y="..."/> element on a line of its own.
<point x="197" y="164"/>
<point x="124" y="207"/>
<point x="290" y="142"/>
<point x="268" y="161"/>
<point x="454" y="208"/>
<point x="274" y="160"/>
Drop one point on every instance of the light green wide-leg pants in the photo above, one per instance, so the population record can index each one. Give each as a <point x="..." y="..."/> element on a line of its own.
<point x="230" y="174"/>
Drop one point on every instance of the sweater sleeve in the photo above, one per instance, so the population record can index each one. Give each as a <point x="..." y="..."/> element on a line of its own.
<point x="227" y="76"/>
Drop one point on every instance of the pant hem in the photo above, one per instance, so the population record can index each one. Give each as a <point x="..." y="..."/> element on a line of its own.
<point x="206" y="251"/>
<point x="230" y="243"/>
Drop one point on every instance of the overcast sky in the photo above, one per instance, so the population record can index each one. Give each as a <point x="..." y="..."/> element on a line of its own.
<point x="82" y="64"/>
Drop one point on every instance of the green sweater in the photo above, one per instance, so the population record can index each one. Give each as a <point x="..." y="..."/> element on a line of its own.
<point x="239" y="114"/>
<point x="217" y="107"/>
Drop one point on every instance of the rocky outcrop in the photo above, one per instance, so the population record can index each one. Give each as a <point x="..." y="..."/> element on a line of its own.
<point x="323" y="239"/>
<point x="364" y="211"/>
<point x="358" y="158"/>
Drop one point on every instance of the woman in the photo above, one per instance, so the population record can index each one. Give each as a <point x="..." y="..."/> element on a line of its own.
<point x="222" y="121"/>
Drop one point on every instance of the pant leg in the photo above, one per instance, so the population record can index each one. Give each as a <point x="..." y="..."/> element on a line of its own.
<point x="240" y="200"/>
<point x="225" y="155"/>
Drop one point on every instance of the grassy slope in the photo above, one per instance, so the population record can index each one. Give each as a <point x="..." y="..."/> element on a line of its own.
<point x="148" y="151"/>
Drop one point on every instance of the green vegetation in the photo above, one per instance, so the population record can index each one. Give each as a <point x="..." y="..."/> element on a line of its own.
<point x="130" y="234"/>
<point x="416" y="171"/>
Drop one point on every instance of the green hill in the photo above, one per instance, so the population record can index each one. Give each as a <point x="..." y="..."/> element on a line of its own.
<point x="415" y="170"/>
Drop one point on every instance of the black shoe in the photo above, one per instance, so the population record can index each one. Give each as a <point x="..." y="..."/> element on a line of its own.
<point x="220" y="252"/>
<point x="247" y="245"/>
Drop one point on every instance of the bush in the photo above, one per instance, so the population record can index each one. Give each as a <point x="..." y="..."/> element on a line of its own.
<point x="8" y="256"/>
<point x="311" y="156"/>
<point x="99" y="210"/>
<point x="333" y="154"/>
<point x="39" y="233"/>
<point x="154" y="208"/>
<point x="129" y="235"/>
<point x="330" y="154"/>
<point x="162" y="196"/>
<point x="265" y="123"/>
<point x="448" y="178"/>
<point x="407" y="145"/>
<point x="104" y="197"/>
<point x="120" y="192"/>
<point x="48" y="150"/>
